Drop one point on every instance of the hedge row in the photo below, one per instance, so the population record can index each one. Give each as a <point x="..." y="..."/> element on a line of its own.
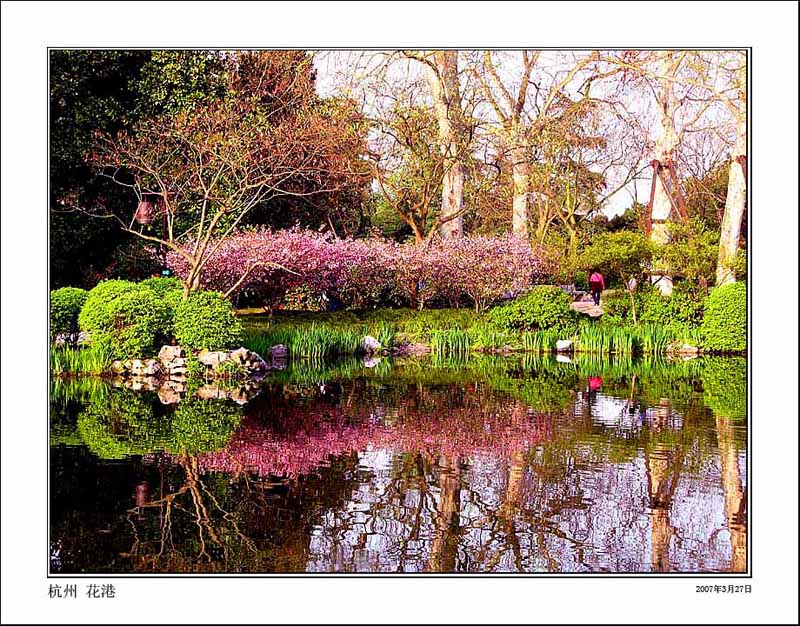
<point x="364" y="273"/>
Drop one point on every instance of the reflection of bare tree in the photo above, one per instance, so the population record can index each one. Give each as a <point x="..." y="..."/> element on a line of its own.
<point x="735" y="501"/>
<point x="216" y="528"/>
<point x="663" y="464"/>
<point x="445" y="544"/>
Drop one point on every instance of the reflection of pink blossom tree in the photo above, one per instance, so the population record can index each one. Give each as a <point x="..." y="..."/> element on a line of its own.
<point x="461" y="432"/>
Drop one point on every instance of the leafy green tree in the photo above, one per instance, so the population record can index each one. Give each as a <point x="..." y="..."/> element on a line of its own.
<point x="621" y="255"/>
<point x="691" y="252"/>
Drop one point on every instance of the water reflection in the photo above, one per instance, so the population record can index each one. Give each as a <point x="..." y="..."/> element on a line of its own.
<point x="489" y="465"/>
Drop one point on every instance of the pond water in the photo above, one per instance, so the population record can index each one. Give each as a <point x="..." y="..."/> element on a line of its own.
<point x="487" y="465"/>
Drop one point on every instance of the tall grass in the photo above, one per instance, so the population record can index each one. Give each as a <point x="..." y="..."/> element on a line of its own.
<point x="452" y="342"/>
<point x="65" y="360"/>
<point x="318" y="341"/>
<point x="539" y="341"/>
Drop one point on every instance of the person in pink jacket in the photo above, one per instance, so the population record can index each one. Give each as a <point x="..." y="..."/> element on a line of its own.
<point x="596" y="285"/>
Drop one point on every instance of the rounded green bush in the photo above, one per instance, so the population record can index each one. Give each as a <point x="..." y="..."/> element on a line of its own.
<point x="542" y="308"/>
<point x="724" y="327"/>
<point x="683" y="307"/>
<point x="65" y="307"/>
<point x="206" y="320"/>
<point x="163" y="285"/>
<point x="130" y="319"/>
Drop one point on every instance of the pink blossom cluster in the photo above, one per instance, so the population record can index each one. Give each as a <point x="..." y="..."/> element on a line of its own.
<point x="367" y="272"/>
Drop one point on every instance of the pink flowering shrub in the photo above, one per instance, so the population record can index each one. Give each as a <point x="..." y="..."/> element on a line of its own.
<point x="371" y="272"/>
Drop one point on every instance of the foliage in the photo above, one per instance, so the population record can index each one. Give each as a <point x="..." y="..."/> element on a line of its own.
<point x="127" y="318"/>
<point x="617" y="304"/>
<point x="618" y="255"/>
<point x="65" y="307"/>
<point x="683" y="306"/>
<point x="302" y="298"/>
<point x="724" y="325"/>
<point x="130" y="260"/>
<point x="740" y="264"/>
<point x="206" y="320"/>
<point x="90" y="90"/>
<point x="162" y="286"/>
<point x="691" y="252"/>
<point x="542" y="308"/>
<point x="725" y="385"/>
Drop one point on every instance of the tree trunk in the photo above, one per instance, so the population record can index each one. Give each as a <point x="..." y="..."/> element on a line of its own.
<point x="665" y="145"/>
<point x="735" y="501"/>
<point x="519" y="174"/>
<point x="444" y="547"/>
<point x="734" y="208"/>
<point x="443" y="82"/>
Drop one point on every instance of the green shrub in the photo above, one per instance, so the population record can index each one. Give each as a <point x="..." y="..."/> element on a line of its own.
<point x="724" y="326"/>
<point x="206" y="320"/>
<point x="542" y="308"/>
<point x="581" y="280"/>
<point x="617" y="303"/>
<point x="163" y="285"/>
<point x="129" y="319"/>
<point x="94" y="316"/>
<point x="65" y="307"/>
<point x="683" y="306"/>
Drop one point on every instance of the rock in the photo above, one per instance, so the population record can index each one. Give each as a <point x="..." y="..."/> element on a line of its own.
<point x="239" y="396"/>
<point x="689" y="349"/>
<point x="170" y="353"/>
<point x="240" y="356"/>
<point x="256" y="364"/>
<point x="176" y="385"/>
<point x="117" y="367"/>
<point x="371" y="361"/>
<point x="137" y="367"/>
<point x="152" y="367"/>
<point x="168" y="395"/>
<point x="564" y="345"/>
<point x="211" y="392"/>
<point x="178" y="372"/>
<point x="278" y="352"/>
<point x="140" y="383"/>
<point x="212" y="359"/>
<point x="370" y="345"/>
<point x="411" y="349"/>
<point x="560" y="358"/>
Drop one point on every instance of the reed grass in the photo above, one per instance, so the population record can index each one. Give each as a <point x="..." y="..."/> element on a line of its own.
<point x="66" y="360"/>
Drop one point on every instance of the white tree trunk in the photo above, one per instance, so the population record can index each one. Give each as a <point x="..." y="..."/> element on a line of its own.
<point x="665" y="145"/>
<point x="443" y="83"/>
<point x="519" y="204"/>
<point x="734" y="208"/>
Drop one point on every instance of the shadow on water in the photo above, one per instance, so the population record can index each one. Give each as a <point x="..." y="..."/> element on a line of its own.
<point x="485" y="464"/>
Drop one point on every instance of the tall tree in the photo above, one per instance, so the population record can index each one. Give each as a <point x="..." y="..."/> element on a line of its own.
<point x="199" y="173"/>
<point x="442" y="74"/>
<point x="736" y="196"/>
<point x="514" y="136"/>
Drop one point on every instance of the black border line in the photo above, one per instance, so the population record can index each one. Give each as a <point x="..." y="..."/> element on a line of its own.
<point x="412" y="575"/>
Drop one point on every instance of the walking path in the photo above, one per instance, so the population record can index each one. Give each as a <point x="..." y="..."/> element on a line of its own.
<point x="587" y="308"/>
